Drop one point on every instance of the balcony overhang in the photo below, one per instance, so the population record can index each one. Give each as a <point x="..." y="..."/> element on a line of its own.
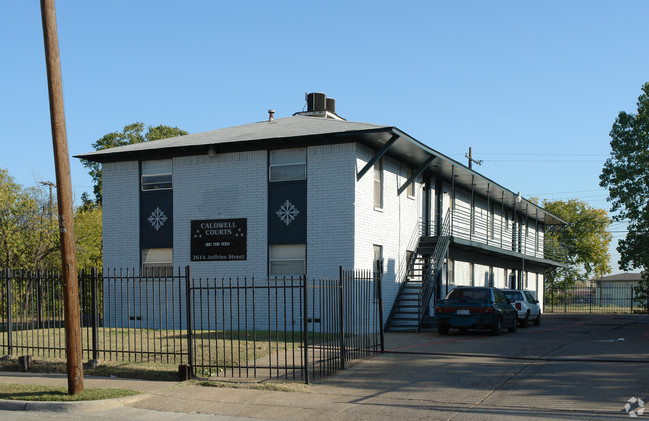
<point x="482" y="249"/>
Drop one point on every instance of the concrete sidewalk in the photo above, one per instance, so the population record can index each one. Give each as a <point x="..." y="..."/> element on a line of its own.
<point x="573" y="368"/>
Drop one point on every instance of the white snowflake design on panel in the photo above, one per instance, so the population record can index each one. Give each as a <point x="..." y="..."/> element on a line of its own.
<point x="287" y="212"/>
<point x="157" y="219"/>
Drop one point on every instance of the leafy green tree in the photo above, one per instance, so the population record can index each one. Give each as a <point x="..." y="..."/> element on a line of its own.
<point x="87" y="230"/>
<point x="641" y="294"/>
<point x="626" y="176"/>
<point x="585" y="239"/>
<point x="132" y="133"/>
<point x="28" y="227"/>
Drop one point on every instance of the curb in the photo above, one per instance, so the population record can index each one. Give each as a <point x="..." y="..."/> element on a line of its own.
<point x="63" y="407"/>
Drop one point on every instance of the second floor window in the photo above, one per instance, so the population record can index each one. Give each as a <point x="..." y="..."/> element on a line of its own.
<point x="410" y="191"/>
<point x="287" y="165"/>
<point x="378" y="184"/>
<point x="157" y="174"/>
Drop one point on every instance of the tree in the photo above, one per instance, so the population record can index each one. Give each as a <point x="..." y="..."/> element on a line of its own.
<point x="585" y="239"/>
<point x="132" y="133"/>
<point x="641" y="295"/>
<point x="87" y="226"/>
<point x="29" y="236"/>
<point x="28" y="229"/>
<point x="626" y="176"/>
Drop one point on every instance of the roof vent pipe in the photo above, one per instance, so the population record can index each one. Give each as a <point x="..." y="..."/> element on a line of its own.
<point x="271" y="115"/>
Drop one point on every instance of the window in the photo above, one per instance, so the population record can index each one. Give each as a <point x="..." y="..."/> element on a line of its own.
<point x="410" y="191"/>
<point x="156" y="175"/>
<point x="529" y="297"/>
<point x="157" y="262"/>
<point x="378" y="255"/>
<point x="287" y="260"/>
<point x="378" y="184"/>
<point x="287" y="165"/>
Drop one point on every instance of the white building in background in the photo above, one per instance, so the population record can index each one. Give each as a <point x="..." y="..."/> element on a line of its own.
<point x="310" y="193"/>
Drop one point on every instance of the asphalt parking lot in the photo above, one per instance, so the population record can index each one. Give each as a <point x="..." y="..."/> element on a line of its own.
<point x="571" y="367"/>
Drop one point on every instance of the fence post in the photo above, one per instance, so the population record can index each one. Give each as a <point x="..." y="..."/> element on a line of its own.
<point x="565" y="297"/>
<point x="379" y="279"/>
<point x="9" y="321"/>
<point x="95" y="312"/>
<point x="341" y="310"/>
<point x="39" y="300"/>
<point x="188" y="302"/>
<point x="305" y="317"/>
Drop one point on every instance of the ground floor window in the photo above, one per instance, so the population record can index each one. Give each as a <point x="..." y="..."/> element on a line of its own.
<point x="378" y="255"/>
<point x="157" y="262"/>
<point x="287" y="260"/>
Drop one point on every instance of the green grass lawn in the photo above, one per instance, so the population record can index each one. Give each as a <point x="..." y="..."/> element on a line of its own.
<point x="26" y="392"/>
<point x="148" y="353"/>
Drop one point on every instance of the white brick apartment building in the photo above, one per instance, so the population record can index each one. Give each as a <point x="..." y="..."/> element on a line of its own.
<point x="312" y="192"/>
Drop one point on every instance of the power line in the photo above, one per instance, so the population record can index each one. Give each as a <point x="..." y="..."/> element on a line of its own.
<point x="543" y="154"/>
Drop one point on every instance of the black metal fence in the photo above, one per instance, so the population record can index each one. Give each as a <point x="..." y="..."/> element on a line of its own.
<point x="294" y="328"/>
<point x="594" y="299"/>
<point x="282" y="327"/>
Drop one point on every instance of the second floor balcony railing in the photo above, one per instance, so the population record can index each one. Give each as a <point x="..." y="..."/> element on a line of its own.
<point x="493" y="230"/>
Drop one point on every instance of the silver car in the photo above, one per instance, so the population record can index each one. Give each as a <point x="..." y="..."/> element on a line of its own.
<point x="526" y="305"/>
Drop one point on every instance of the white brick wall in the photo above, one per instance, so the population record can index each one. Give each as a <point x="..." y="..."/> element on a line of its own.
<point x="390" y="227"/>
<point x="121" y="215"/>
<point x="331" y="180"/>
<point x="232" y="185"/>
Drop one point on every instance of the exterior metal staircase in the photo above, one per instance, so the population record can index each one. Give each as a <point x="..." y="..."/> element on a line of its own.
<point x="423" y="269"/>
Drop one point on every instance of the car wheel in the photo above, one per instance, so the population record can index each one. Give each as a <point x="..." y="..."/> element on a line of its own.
<point x="497" y="326"/>
<point x="512" y="328"/>
<point x="537" y="321"/>
<point x="442" y="329"/>
<point x="526" y="320"/>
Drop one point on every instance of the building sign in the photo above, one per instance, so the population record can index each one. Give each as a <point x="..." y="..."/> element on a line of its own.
<point x="219" y="239"/>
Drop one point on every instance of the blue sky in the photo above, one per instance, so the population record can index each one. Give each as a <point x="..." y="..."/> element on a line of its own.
<point x="532" y="87"/>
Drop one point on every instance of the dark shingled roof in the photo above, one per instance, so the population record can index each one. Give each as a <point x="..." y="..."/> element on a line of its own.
<point x="301" y="130"/>
<point x="282" y="128"/>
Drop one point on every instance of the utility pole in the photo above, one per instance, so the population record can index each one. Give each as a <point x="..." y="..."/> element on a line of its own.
<point x="64" y="195"/>
<point x="50" y="185"/>
<point x="471" y="160"/>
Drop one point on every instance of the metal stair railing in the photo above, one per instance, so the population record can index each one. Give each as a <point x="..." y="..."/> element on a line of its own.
<point x="435" y="270"/>
<point x="405" y="268"/>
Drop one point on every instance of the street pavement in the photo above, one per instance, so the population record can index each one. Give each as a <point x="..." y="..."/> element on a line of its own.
<point x="572" y="367"/>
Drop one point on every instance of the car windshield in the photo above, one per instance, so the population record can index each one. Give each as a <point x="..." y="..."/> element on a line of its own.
<point x="513" y="295"/>
<point x="469" y="294"/>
